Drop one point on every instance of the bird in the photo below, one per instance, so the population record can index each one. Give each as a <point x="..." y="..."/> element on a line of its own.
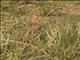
<point x="35" y="27"/>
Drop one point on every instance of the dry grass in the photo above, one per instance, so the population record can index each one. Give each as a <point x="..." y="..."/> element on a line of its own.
<point x="40" y="30"/>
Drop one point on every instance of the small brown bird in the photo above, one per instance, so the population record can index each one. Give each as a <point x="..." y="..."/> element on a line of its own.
<point x="35" y="27"/>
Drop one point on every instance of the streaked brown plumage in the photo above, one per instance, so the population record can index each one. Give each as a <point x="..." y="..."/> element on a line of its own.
<point x="35" y="28"/>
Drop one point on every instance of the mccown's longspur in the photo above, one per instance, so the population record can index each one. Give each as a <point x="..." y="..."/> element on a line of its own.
<point x="35" y="27"/>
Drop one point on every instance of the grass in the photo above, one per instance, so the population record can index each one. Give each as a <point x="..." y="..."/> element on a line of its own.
<point x="29" y="32"/>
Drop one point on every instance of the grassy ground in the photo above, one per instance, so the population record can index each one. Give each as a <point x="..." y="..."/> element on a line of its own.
<point x="40" y="30"/>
